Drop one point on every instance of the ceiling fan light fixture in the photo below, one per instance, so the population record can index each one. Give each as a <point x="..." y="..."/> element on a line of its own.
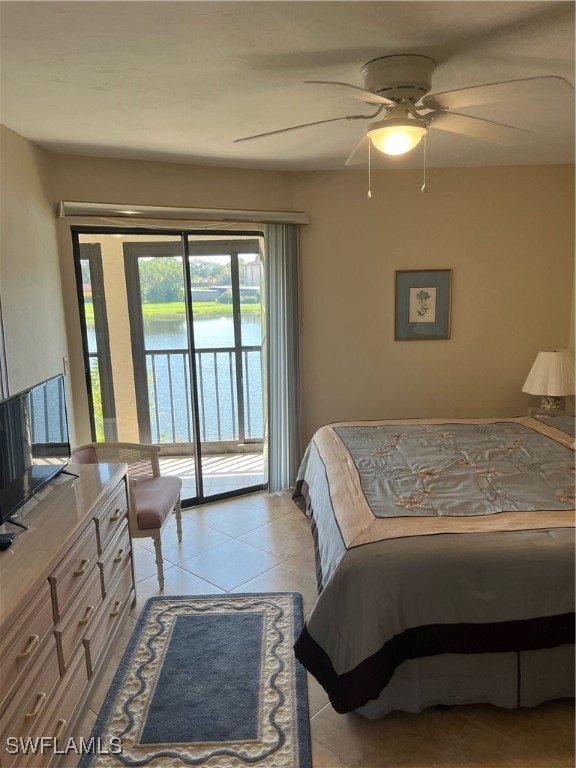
<point x="398" y="136"/>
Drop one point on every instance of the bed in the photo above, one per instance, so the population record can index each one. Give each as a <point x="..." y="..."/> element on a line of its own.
<point x="563" y="423"/>
<point x="445" y="563"/>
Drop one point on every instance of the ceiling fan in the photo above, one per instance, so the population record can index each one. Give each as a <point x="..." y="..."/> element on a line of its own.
<point x="399" y="86"/>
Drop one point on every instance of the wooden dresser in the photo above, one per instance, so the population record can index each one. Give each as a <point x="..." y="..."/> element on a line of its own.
<point x="66" y="588"/>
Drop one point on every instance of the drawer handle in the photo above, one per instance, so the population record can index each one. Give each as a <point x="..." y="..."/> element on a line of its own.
<point x="61" y="725"/>
<point x="116" y="610"/>
<point x="116" y="516"/>
<point x="120" y="555"/>
<point x="40" y="701"/>
<point x="29" y="650"/>
<point x="87" y="615"/>
<point x="83" y="566"/>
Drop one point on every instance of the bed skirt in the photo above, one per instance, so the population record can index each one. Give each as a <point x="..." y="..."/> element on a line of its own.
<point x="509" y="680"/>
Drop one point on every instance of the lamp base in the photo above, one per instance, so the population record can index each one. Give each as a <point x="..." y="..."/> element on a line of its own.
<point x="553" y="404"/>
<point x="550" y="406"/>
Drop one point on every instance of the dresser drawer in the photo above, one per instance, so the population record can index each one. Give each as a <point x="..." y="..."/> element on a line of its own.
<point x="25" y="642"/>
<point x="109" y="516"/>
<point x="112" y="615"/>
<point x="72" y="573"/>
<point x="79" y="619"/>
<point x="24" y="716"/>
<point x="114" y="559"/>
<point x="61" y="712"/>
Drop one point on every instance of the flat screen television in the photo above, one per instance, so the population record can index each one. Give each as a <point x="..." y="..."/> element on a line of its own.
<point x="34" y="442"/>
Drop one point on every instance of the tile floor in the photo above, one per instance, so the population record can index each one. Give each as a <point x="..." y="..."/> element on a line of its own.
<point x="262" y="542"/>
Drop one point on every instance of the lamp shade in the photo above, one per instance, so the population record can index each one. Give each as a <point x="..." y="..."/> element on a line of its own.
<point x="397" y="135"/>
<point x="397" y="140"/>
<point x="552" y="374"/>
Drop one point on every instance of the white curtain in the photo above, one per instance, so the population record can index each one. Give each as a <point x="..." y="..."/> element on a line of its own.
<point x="281" y="352"/>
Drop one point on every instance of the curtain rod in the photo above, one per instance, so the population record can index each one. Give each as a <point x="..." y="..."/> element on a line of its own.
<point x="68" y="208"/>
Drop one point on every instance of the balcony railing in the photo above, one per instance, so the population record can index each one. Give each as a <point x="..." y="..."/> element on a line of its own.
<point x="220" y="417"/>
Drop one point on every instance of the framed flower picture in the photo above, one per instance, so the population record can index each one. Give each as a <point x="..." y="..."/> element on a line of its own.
<point x="422" y="304"/>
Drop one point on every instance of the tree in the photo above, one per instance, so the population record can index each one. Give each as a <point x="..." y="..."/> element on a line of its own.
<point x="204" y="272"/>
<point x="161" y="279"/>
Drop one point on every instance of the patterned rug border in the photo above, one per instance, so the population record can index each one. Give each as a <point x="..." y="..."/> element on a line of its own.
<point x="301" y="682"/>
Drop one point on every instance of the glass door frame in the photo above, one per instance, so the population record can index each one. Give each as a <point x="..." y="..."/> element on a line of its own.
<point x="233" y="248"/>
<point x="237" y="238"/>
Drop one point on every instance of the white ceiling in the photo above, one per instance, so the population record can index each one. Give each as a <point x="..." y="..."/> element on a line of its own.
<point x="179" y="81"/>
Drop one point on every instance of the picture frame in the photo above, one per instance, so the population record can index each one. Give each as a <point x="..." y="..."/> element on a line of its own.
<point x="422" y="307"/>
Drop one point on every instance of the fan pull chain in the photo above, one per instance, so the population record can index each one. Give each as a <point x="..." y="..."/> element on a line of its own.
<point x="369" y="170"/>
<point x="424" y="188"/>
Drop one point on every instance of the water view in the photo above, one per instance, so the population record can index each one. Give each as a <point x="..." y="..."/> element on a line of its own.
<point x="169" y="382"/>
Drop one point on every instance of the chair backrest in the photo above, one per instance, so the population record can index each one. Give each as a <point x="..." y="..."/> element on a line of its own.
<point x="142" y="459"/>
<point x="85" y="454"/>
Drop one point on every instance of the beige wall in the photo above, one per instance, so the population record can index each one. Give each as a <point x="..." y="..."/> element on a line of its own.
<point x="30" y="284"/>
<point x="507" y="234"/>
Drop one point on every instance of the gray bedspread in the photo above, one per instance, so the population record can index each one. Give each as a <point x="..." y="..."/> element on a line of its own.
<point x="385" y="601"/>
<point x="563" y="423"/>
<point x="458" y="469"/>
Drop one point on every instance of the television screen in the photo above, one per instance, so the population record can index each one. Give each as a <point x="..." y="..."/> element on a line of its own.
<point x="34" y="442"/>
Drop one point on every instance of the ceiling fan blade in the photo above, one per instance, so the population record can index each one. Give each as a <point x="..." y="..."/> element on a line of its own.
<point x="360" y="93"/>
<point x="523" y="88"/>
<point x="303" y="125"/>
<point x="360" y="152"/>
<point x="477" y="128"/>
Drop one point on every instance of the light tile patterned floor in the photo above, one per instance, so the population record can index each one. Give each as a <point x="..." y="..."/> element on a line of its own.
<point x="262" y="542"/>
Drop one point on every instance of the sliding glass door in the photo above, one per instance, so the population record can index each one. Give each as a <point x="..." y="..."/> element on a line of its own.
<point x="185" y="345"/>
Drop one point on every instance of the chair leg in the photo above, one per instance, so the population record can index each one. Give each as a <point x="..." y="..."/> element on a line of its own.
<point x="159" y="559"/>
<point x="178" y="513"/>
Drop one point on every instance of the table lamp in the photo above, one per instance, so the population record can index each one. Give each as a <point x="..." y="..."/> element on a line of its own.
<point x="552" y="377"/>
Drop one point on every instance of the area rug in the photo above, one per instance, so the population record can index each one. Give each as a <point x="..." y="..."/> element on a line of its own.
<point x="209" y="681"/>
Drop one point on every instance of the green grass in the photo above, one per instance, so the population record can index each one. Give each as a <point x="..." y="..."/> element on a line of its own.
<point x="176" y="309"/>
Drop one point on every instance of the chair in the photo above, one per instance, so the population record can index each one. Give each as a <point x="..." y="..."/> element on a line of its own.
<point x="151" y="496"/>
